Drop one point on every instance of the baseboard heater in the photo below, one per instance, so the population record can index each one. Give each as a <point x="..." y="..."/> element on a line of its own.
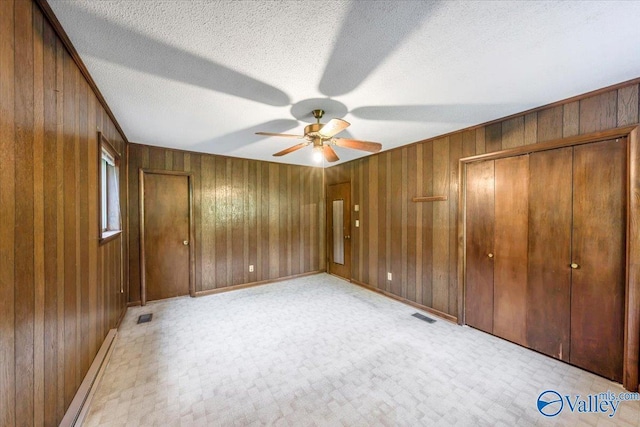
<point x="80" y="404"/>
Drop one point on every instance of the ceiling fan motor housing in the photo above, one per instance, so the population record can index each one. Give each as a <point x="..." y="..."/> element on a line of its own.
<point x="313" y="128"/>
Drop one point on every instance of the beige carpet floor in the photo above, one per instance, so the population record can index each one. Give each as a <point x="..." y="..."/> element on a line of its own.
<point x="318" y="351"/>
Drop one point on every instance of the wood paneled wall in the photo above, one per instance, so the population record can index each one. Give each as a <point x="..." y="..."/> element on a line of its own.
<point x="246" y="212"/>
<point x="59" y="290"/>
<point x="417" y="242"/>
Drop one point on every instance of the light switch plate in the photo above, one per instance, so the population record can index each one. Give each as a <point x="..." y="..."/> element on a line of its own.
<point x="357" y="223"/>
<point x="356" y="208"/>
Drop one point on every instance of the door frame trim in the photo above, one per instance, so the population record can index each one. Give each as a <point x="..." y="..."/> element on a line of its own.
<point x="631" y="347"/>
<point x="143" y="281"/>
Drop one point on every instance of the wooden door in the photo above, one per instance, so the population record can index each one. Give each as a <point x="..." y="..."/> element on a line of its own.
<point x="339" y="229"/>
<point x="549" y="276"/>
<point x="479" y="245"/>
<point x="598" y="259"/>
<point x="510" y="248"/>
<point x="165" y="235"/>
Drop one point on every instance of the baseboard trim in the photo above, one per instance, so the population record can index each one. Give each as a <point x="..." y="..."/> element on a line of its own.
<point x="134" y="304"/>
<point x="80" y="404"/>
<point x="252" y="284"/>
<point x="433" y="311"/>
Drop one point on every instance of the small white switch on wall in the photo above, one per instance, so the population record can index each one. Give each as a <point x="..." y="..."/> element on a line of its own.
<point x="251" y="268"/>
<point x="389" y="276"/>
<point x="357" y="223"/>
<point x="356" y="208"/>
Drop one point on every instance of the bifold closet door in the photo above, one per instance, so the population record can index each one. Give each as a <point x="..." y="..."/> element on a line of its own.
<point x="549" y="253"/>
<point x="598" y="259"/>
<point x="510" y="248"/>
<point x="479" y="245"/>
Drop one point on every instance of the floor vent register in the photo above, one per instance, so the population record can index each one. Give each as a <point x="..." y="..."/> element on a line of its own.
<point x="144" y="318"/>
<point x="423" y="317"/>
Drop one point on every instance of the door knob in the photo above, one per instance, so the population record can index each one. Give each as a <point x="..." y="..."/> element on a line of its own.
<point x="574" y="265"/>
<point x="490" y="255"/>
<point x="186" y="243"/>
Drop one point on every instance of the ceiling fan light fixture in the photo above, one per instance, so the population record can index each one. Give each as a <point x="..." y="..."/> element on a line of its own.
<point x="317" y="154"/>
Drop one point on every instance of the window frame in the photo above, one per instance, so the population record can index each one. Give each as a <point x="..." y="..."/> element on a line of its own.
<point x="104" y="146"/>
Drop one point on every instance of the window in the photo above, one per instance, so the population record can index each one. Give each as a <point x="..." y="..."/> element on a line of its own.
<point x="110" y="223"/>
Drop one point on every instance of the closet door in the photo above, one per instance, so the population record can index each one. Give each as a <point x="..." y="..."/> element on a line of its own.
<point x="479" y="245"/>
<point x="510" y="247"/>
<point x="549" y="253"/>
<point x="598" y="260"/>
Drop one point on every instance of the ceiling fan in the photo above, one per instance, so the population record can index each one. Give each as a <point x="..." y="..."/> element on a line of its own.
<point x="322" y="137"/>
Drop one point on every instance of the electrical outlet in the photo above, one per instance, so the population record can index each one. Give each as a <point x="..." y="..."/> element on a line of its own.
<point x="389" y="276"/>
<point x="251" y="268"/>
<point x="357" y="223"/>
<point x="356" y="208"/>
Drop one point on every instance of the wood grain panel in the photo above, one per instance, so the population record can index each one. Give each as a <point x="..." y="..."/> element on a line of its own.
<point x="207" y="220"/>
<point x="7" y="217"/>
<point x="511" y="236"/>
<point x="513" y="133"/>
<point x="381" y="266"/>
<point x="404" y="201"/>
<point x="51" y="340"/>
<point x="220" y="229"/>
<point x="571" y="119"/>
<point x="372" y="209"/>
<point x="598" y="112"/>
<point x="481" y="141"/>
<point x="24" y="231"/>
<point x="549" y="253"/>
<point x="38" y="221"/>
<point x="387" y="229"/>
<point x="395" y="229"/>
<point x="468" y="143"/>
<point x="427" y="226"/>
<point x="627" y="105"/>
<point x="440" y="290"/>
<point x="410" y="228"/>
<point x="493" y="137"/>
<point x="531" y="128"/>
<point x="274" y="221"/>
<point x="252" y="218"/>
<point x="294" y="221"/>
<point x="550" y="123"/>
<point x="418" y="226"/>
<point x="195" y="166"/>
<point x="365" y="217"/>
<point x="238" y="256"/>
<point x="598" y="240"/>
<point x="480" y="225"/>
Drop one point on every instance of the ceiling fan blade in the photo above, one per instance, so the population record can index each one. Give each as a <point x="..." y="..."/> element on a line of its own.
<point x="291" y="149"/>
<point x="333" y="127"/>
<point x="372" y="147"/>
<point x="283" y="135"/>
<point x="330" y="154"/>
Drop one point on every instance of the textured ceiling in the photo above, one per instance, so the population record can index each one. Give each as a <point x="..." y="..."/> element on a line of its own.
<point x="206" y="75"/>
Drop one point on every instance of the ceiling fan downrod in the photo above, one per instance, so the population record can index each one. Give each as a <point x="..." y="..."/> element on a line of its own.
<point x="318" y="115"/>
